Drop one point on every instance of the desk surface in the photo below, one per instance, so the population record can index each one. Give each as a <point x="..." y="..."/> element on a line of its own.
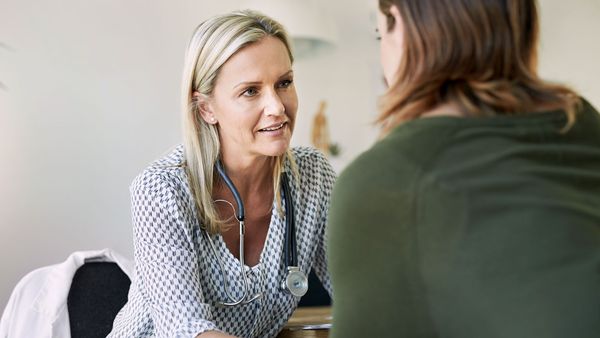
<point x="307" y="316"/>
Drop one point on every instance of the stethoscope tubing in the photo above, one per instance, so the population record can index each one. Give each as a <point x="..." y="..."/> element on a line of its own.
<point x="290" y="254"/>
<point x="242" y="229"/>
<point x="291" y="258"/>
<point x="233" y="189"/>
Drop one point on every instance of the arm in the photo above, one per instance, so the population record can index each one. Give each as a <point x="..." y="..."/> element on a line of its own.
<point x="166" y="258"/>
<point x="370" y="251"/>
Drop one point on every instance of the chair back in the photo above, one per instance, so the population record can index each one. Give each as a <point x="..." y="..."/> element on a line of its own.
<point x="98" y="291"/>
<point x="316" y="294"/>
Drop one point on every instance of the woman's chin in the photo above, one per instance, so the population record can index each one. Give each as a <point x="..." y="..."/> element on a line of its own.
<point x="276" y="149"/>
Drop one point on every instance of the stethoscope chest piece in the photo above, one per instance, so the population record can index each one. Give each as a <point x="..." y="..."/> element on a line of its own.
<point x="295" y="282"/>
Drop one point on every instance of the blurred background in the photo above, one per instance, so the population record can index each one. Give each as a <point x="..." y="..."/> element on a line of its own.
<point x="89" y="95"/>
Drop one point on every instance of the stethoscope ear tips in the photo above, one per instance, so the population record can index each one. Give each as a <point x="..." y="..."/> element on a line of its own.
<point x="295" y="282"/>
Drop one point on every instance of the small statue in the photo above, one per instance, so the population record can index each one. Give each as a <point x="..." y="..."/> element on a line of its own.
<point x="320" y="131"/>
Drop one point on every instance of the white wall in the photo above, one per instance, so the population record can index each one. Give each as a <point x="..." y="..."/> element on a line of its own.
<point x="92" y="97"/>
<point x="570" y="45"/>
<point x="93" y="94"/>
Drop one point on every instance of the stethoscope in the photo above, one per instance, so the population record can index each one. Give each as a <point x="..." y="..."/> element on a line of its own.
<point x="295" y="281"/>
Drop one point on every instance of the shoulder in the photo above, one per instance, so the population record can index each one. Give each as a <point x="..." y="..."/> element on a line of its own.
<point x="588" y="118"/>
<point x="165" y="173"/>
<point x="313" y="167"/>
<point x="398" y="161"/>
<point x="307" y="157"/>
<point x="378" y="189"/>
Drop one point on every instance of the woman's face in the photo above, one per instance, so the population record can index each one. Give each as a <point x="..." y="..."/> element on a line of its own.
<point x="254" y="101"/>
<point x="391" y="44"/>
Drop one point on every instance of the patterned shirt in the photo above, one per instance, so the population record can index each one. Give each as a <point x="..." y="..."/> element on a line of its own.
<point x="178" y="281"/>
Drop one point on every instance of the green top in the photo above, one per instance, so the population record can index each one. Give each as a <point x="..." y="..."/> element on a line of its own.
<point x="471" y="227"/>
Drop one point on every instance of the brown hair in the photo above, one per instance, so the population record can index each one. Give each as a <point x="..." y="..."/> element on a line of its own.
<point x="480" y="55"/>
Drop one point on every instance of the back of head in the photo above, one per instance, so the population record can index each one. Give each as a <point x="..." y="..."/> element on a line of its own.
<point x="479" y="55"/>
<point x="212" y="44"/>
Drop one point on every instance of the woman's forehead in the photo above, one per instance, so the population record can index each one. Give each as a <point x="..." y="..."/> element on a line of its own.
<point x="267" y="58"/>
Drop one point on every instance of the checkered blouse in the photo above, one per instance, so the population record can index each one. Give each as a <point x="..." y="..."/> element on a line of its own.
<point x="178" y="281"/>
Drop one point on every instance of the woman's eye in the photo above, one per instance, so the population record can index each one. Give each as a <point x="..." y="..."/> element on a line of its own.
<point x="250" y="92"/>
<point x="285" y="83"/>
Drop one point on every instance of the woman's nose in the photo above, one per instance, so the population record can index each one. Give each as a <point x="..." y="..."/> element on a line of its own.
<point x="273" y="104"/>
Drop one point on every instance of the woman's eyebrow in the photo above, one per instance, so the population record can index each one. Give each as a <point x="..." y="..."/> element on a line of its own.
<point x="247" y="83"/>
<point x="254" y="83"/>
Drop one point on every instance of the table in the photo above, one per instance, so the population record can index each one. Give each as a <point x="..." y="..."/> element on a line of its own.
<point x="303" y="316"/>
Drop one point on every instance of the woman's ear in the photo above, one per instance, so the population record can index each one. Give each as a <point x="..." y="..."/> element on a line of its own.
<point x="397" y="30"/>
<point x="204" y="107"/>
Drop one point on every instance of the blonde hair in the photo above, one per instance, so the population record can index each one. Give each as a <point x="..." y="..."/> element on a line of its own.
<point x="212" y="44"/>
<point x="479" y="55"/>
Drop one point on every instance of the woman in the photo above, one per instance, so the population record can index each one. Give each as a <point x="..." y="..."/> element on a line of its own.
<point x="478" y="212"/>
<point x="239" y="106"/>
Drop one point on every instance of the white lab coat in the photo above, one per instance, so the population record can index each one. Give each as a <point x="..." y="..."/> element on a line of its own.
<point x="38" y="305"/>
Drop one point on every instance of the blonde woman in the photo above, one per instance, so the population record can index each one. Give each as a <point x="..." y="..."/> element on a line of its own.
<point x="211" y="220"/>
<point x="478" y="212"/>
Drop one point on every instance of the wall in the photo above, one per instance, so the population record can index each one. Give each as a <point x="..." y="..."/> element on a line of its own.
<point x="570" y="48"/>
<point x="92" y="97"/>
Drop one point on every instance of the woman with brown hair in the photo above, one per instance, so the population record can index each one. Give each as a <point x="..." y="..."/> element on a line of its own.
<point x="478" y="212"/>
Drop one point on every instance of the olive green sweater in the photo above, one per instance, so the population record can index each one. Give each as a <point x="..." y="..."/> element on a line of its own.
<point x="470" y="227"/>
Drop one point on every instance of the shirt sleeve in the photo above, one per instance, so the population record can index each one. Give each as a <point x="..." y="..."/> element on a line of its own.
<point x="166" y="258"/>
<point x="327" y="179"/>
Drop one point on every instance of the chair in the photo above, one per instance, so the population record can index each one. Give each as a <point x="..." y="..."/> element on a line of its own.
<point x="98" y="291"/>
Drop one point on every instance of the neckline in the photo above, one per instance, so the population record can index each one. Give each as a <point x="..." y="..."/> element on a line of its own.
<point x="261" y="260"/>
<point x="557" y="115"/>
<point x="552" y="119"/>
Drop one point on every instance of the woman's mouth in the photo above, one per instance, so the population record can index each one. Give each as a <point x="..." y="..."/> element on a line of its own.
<point x="273" y="128"/>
